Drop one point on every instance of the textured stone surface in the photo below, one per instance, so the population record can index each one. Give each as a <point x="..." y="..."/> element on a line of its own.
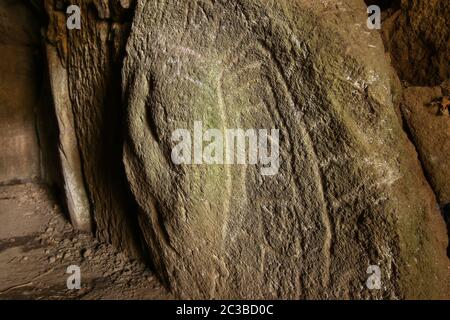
<point x="430" y="133"/>
<point x="92" y="58"/>
<point x="73" y="182"/>
<point x="417" y="36"/>
<point x="19" y="92"/>
<point x="350" y="191"/>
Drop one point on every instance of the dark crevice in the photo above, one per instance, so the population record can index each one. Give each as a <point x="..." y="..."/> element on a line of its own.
<point x="445" y="210"/>
<point x="410" y="136"/>
<point x="384" y="4"/>
<point x="26" y="243"/>
<point x="46" y="122"/>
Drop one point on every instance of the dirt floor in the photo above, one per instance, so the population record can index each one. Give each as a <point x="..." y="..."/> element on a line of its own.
<point x="37" y="244"/>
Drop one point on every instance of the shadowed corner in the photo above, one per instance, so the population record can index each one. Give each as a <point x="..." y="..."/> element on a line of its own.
<point x="384" y="4"/>
<point x="446" y="213"/>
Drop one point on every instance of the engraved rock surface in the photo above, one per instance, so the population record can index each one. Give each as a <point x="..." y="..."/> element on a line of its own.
<point x="350" y="191"/>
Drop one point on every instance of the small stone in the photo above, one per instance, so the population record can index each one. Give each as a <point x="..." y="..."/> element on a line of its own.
<point x="51" y="259"/>
<point x="87" y="253"/>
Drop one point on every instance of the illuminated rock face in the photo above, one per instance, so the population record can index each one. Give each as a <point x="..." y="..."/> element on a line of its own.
<point x="342" y="199"/>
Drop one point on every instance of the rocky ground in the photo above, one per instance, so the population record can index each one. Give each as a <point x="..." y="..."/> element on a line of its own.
<point x="37" y="244"/>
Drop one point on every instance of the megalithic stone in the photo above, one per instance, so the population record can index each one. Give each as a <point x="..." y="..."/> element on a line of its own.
<point x="349" y="194"/>
<point x="74" y="189"/>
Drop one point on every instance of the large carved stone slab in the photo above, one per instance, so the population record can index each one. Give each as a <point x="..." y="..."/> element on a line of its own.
<point x="349" y="192"/>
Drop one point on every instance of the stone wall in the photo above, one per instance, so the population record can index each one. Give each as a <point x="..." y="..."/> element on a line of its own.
<point x="91" y="60"/>
<point x="19" y="92"/>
